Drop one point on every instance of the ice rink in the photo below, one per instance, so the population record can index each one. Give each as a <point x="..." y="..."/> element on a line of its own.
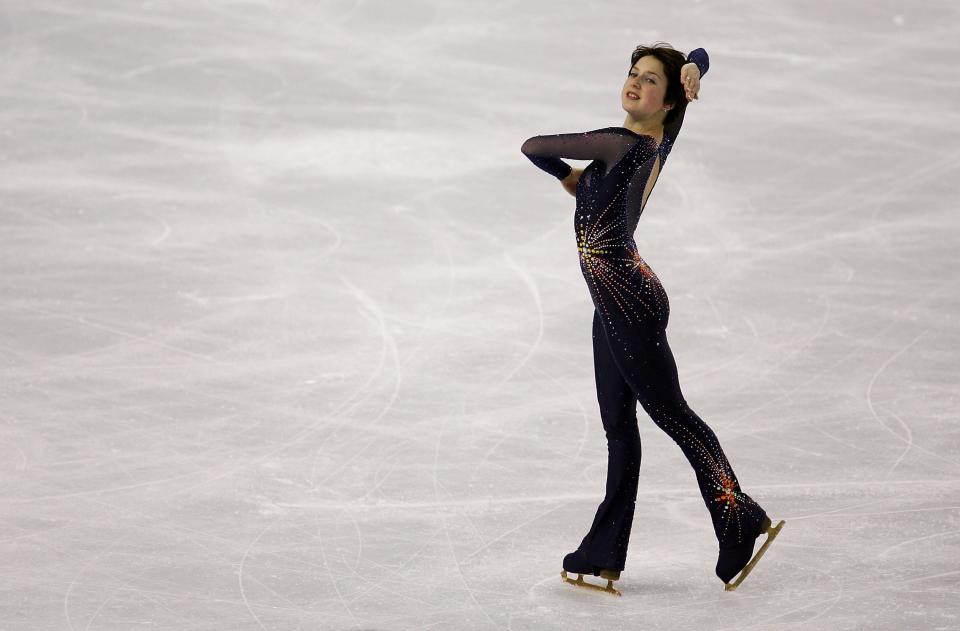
<point x="293" y="336"/>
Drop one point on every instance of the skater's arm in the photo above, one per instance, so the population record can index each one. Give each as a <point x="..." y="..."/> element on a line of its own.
<point x="605" y="145"/>
<point x="692" y="72"/>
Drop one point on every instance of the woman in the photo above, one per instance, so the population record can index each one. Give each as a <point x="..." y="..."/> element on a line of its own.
<point x="632" y="360"/>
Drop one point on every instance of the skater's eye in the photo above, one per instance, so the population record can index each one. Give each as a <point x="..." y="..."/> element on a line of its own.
<point x="633" y="74"/>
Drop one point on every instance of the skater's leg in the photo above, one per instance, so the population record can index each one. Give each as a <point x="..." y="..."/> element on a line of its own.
<point x="606" y="543"/>
<point x="648" y="365"/>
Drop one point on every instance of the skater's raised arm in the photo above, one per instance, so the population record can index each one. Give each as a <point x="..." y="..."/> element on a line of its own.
<point x="690" y="75"/>
<point x="605" y="145"/>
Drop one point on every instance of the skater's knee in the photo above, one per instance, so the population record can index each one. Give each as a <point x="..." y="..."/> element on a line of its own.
<point x="671" y="413"/>
<point x="627" y="434"/>
<point x="670" y="406"/>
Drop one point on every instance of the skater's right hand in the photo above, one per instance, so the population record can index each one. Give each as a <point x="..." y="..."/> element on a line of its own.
<point x="570" y="182"/>
<point x="690" y="77"/>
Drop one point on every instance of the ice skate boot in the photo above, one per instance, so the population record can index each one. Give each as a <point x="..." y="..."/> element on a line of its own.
<point x="576" y="563"/>
<point x="733" y="560"/>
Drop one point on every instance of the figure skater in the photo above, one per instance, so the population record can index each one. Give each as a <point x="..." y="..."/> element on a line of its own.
<point x="632" y="360"/>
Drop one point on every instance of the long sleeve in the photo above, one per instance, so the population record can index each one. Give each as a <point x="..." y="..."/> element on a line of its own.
<point x="605" y="145"/>
<point x="699" y="57"/>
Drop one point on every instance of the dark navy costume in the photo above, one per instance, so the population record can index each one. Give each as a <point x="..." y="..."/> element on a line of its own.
<point x="632" y="360"/>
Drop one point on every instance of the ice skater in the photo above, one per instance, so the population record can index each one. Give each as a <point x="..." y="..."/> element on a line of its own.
<point x="632" y="360"/>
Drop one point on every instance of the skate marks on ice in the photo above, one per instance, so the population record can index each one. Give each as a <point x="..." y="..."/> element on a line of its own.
<point x="222" y="129"/>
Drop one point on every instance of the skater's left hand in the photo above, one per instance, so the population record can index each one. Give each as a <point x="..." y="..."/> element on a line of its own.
<point x="570" y="182"/>
<point x="690" y="78"/>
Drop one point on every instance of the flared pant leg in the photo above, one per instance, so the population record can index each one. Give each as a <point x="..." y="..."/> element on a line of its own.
<point x="645" y="367"/>
<point x="606" y="542"/>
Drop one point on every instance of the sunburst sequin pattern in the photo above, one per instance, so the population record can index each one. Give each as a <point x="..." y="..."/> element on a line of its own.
<point x="734" y="513"/>
<point x="727" y="494"/>
<point x="622" y="285"/>
<point x="731" y="502"/>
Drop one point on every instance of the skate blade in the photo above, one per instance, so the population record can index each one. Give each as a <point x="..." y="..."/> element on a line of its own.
<point x="610" y="589"/>
<point x="771" y="535"/>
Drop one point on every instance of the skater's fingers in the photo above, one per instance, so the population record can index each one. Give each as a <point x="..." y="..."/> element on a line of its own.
<point x="690" y="79"/>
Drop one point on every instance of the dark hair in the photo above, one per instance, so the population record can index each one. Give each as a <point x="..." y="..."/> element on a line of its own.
<point x="672" y="61"/>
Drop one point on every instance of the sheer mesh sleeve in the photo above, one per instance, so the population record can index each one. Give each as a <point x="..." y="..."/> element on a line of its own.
<point x="605" y="145"/>
<point x="699" y="57"/>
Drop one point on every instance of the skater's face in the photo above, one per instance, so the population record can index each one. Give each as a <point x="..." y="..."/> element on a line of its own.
<point x="648" y="81"/>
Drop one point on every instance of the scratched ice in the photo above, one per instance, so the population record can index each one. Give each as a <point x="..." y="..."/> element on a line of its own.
<point x="295" y="337"/>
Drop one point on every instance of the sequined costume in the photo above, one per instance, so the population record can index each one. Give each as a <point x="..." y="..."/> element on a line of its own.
<point x="632" y="359"/>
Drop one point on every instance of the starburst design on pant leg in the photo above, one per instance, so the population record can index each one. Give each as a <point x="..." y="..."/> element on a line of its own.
<point x="728" y="495"/>
<point x="734" y="503"/>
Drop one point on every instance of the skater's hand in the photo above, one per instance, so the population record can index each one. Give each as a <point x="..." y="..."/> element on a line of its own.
<point x="570" y="182"/>
<point x="690" y="78"/>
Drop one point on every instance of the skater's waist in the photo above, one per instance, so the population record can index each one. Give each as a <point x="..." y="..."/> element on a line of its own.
<point x="604" y="253"/>
<point x="619" y="250"/>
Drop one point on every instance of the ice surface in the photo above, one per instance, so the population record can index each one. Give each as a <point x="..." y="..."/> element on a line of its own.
<point x="293" y="336"/>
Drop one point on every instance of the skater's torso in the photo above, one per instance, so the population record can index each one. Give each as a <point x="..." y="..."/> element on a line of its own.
<point x="610" y="199"/>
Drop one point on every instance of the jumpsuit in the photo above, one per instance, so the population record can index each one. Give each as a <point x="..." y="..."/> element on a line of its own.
<point x="632" y="359"/>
